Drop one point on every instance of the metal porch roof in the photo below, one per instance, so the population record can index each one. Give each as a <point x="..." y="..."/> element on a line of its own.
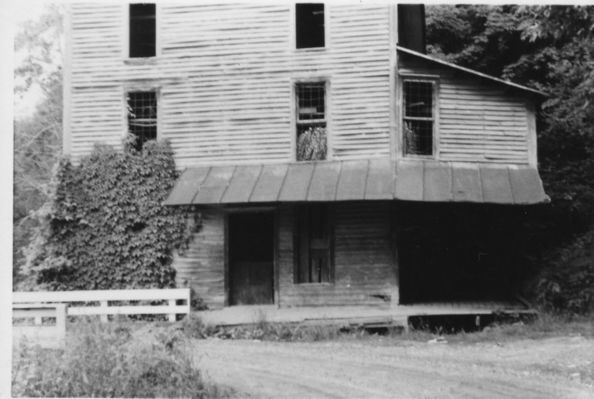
<point x="375" y="179"/>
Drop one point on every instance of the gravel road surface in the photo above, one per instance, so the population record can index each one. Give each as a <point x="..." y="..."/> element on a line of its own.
<point x="391" y="368"/>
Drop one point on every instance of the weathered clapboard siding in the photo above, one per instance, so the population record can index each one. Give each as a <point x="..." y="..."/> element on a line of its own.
<point x="225" y="75"/>
<point x="479" y="121"/>
<point x="365" y="263"/>
<point x="365" y="267"/>
<point x="201" y="266"/>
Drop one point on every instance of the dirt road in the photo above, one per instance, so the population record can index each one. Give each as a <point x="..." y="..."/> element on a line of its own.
<point x="389" y="368"/>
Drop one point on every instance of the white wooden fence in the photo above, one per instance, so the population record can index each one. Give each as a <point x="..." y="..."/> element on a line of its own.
<point x="104" y="302"/>
<point x="44" y="323"/>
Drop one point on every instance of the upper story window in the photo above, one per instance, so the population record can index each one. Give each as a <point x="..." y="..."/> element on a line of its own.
<point x="142" y="116"/>
<point x="311" y="121"/>
<point x="418" y="117"/>
<point x="313" y="244"/>
<point x="310" y="25"/>
<point x="143" y="30"/>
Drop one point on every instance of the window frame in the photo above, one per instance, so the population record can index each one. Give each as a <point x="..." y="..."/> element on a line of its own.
<point x="434" y="81"/>
<point x="126" y="36"/>
<point x="301" y="213"/>
<point x="147" y="87"/>
<point x="294" y="30"/>
<point x="295" y="115"/>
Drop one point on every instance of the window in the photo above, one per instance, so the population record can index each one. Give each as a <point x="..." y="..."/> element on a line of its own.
<point x="418" y="117"/>
<point x="142" y="116"/>
<point x="310" y="25"/>
<point x="313" y="245"/>
<point x="311" y="121"/>
<point x="143" y="30"/>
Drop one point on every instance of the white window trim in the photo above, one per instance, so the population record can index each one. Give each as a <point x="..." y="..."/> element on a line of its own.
<point x="434" y="80"/>
<point x="295" y="109"/>
<point x="126" y="36"/>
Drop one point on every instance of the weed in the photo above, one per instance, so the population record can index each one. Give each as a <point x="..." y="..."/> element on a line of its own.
<point x="109" y="360"/>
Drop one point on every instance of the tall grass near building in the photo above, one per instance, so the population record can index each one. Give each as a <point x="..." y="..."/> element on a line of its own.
<point x="109" y="360"/>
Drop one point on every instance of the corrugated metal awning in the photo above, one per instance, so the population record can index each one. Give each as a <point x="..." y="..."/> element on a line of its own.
<point x="375" y="179"/>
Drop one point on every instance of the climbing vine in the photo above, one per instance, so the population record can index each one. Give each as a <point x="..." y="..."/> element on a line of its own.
<point x="105" y="226"/>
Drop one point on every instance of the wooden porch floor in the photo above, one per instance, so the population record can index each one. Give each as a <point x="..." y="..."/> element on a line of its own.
<point x="354" y="315"/>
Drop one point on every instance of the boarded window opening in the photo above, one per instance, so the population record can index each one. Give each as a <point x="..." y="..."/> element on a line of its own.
<point x="310" y="25"/>
<point x="142" y="116"/>
<point x="143" y="30"/>
<point x="313" y="245"/>
<point x="311" y="121"/>
<point x="418" y="119"/>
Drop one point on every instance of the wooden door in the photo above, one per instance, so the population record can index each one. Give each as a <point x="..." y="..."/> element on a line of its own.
<point x="251" y="258"/>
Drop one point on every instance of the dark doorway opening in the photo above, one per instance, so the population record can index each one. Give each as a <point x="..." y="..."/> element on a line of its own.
<point x="251" y="258"/>
<point x="458" y="252"/>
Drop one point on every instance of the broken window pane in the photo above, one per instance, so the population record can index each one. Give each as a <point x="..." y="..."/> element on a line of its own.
<point x="311" y="121"/>
<point x="142" y="116"/>
<point x="418" y="119"/>
<point x="143" y="31"/>
<point x="310" y="25"/>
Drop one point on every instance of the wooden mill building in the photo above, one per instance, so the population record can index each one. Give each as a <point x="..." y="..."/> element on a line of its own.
<point x="330" y="161"/>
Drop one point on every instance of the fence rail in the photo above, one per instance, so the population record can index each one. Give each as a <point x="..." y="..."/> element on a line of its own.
<point x="107" y="301"/>
<point x="45" y="323"/>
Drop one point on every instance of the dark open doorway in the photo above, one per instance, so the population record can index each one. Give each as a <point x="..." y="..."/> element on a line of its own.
<point x="251" y="258"/>
<point x="457" y="252"/>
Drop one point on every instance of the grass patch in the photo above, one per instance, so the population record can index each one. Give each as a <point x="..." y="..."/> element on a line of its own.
<point x="109" y="360"/>
<point x="544" y="326"/>
<point x="266" y="331"/>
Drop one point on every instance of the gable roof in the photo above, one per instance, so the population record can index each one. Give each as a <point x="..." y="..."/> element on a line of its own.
<point x="470" y="71"/>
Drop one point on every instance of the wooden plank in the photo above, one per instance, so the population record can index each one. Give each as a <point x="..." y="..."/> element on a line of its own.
<point x="351" y="183"/>
<point x="496" y="184"/>
<point x="242" y="184"/>
<point x="409" y="180"/>
<point x="297" y="182"/>
<point x="324" y="181"/>
<point x="200" y="266"/>
<point x="467" y="183"/>
<point x="269" y="184"/>
<point x="212" y="189"/>
<point x="526" y="186"/>
<point x="380" y="180"/>
<point x="187" y="186"/>
<point x="38" y="297"/>
<point x="141" y="309"/>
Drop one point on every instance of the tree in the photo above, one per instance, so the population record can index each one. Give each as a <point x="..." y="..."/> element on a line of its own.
<point x="550" y="48"/>
<point x="37" y="137"/>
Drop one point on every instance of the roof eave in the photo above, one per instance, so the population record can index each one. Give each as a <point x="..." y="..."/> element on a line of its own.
<point x="472" y="72"/>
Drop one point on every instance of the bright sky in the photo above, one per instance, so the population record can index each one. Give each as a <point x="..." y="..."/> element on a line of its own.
<point x="14" y="14"/>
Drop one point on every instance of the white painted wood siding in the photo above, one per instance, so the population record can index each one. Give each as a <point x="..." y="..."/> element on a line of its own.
<point x="225" y="76"/>
<point x="479" y="121"/>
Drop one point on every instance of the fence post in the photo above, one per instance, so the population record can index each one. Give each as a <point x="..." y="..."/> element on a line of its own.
<point x="172" y="306"/>
<point x="104" y="306"/>
<point x="61" y="322"/>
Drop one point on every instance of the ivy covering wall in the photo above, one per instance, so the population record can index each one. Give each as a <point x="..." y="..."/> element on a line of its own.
<point x="104" y="226"/>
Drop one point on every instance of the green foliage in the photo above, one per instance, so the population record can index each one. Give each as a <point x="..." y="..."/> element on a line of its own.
<point x="567" y="283"/>
<point x="37" y="137"/>
<point x="108" y="360"/>
<point x="312" y="144"/>
<point x="193" y="327"/>
<point x="550" y="48"/>
<point x="104" y="226"/>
